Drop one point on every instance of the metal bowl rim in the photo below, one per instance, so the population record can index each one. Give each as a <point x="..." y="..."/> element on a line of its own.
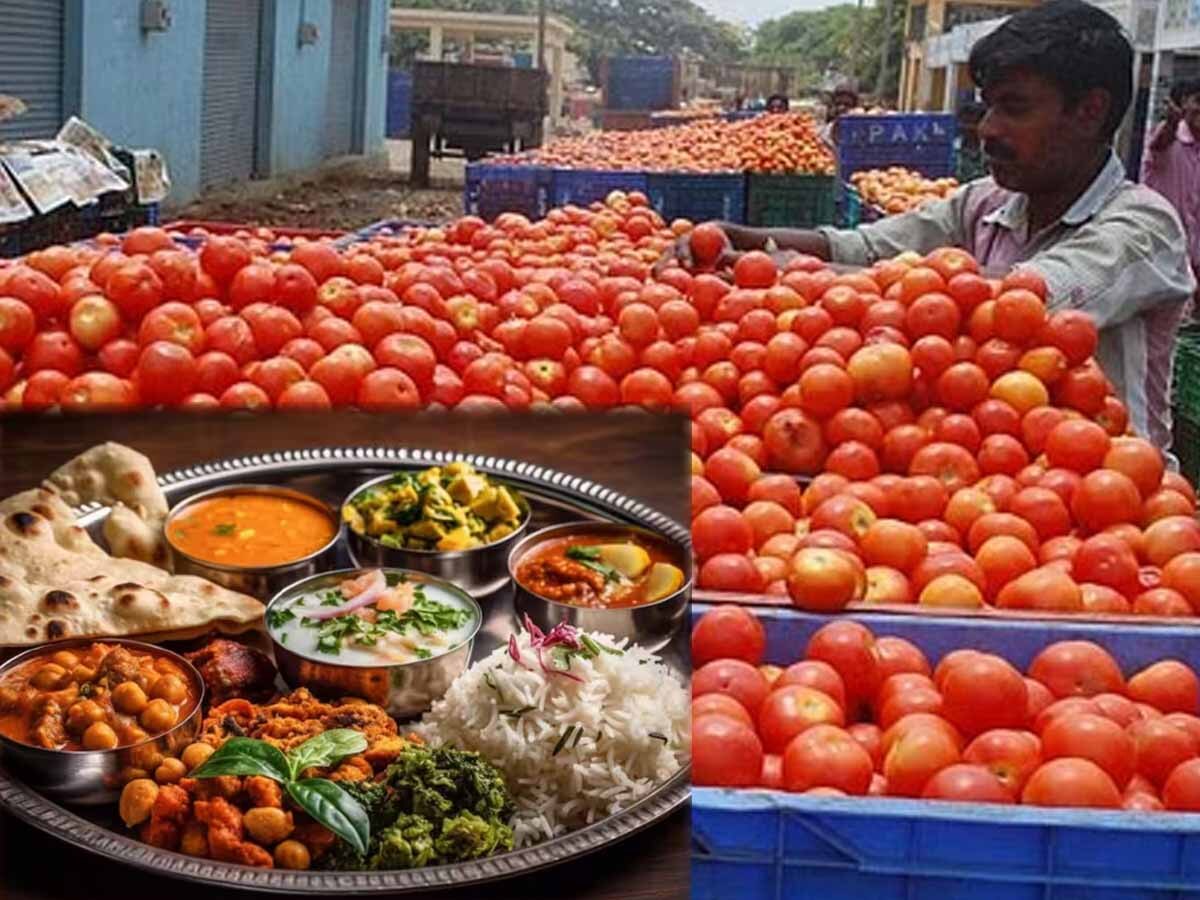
<point x="518" y="532"/>
<point x="253" y="488"/>
<point x="54" y="646"/>
<point x="419" y="576"/>
<point x="543" y="534"/>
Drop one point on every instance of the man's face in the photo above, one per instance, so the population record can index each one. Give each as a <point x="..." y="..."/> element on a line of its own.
<point x="1191" y="113"/>
<point x="1032" y="140"/>
<point x="968" y="127"/>
<point x="843" y="103"/>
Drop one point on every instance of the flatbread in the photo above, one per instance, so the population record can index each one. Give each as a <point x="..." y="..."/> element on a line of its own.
<point x="56" y="582"/>
<point x="123" y="479"/>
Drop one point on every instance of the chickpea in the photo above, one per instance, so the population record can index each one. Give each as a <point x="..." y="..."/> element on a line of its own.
<point x="131" y="734"/>
<point x="158" y="716"/>
<point x="137" y="799"/>
<point x="99" y="736"/>
<point x="169" y="771"/>
<point x="267" y="825"/>
<point x="66" y="659"/>
<point x="131" y="773"/>
<point x="49" y="677"/>
<point x="194" y="841"/>
<point x="129" y="698"/>
<point x="170" y="688"/>
<point x="146" y="757"/>
<point x="83" y="674"/>
<point x="82" y="714"/>
<point x="292" y="855"/>
<point x="195" y="754"/>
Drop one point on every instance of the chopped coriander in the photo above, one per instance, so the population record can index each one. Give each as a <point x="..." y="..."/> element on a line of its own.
<point x="332" y="598"/>
<point x="279" y="617"/>
<point x="422" y="653"/>
<point x="225" y="529"/>
<point x="590" y="557"/>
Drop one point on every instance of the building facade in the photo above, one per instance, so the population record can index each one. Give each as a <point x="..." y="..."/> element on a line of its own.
<point x="226" y="90"/>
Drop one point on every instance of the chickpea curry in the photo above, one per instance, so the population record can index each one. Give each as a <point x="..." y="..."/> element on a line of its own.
<point x="250" y="529"/>
<point x="592" y="570"/>
<point x="94" y="697"/>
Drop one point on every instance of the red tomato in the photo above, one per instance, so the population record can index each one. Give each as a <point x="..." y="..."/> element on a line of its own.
<point x="826" y="756"/>
<point x="725" y="752"/>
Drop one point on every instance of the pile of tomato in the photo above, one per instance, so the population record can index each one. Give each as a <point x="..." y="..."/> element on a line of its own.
<point x="863" y="715"/>
<point x="778" y="143"/>
<point x="967" y="449"/>
<point x="897" y="189"/>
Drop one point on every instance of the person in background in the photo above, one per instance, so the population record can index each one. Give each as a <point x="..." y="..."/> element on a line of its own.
<point x="1171" y="164"/>
<point x="1057" y="81"/>
<point x="777" y="103"/>
<point x="844" y="99"/>
<point x="969" y="159"/>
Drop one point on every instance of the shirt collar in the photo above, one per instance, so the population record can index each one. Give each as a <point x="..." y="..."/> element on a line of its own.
<point x="1011" y="214"/>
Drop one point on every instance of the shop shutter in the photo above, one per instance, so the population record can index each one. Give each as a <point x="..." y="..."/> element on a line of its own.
<point x="229" y="111"/>
<point x="31" y="65"/>
<point x="341" y="96"/>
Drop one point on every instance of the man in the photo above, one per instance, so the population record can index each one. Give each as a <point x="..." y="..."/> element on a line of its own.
<point x="778" y="103"/>
<point x="844" y="99"/>
<point x="1171" y="165"/>
<point x="970" y="163"/>
<point x="1056" y="80"/>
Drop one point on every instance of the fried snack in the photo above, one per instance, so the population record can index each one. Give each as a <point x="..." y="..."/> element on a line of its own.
<point x="230" y="669"/>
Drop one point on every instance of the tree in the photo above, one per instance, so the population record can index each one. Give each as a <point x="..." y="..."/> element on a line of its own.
<point x="610" y="28"/>
<point x="846" y="39"/>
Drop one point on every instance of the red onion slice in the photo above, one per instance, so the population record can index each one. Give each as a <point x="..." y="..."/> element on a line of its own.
<point x="368" y="595"/>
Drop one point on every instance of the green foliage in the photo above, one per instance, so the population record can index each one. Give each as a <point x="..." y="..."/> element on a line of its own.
<point x="846" y="39"/>
<point x="607" y="28"/>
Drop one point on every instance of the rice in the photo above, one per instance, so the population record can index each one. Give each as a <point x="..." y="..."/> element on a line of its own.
<point x="609" y="730"/>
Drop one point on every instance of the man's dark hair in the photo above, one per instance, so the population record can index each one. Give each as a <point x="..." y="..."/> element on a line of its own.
<point x="780" y="100"/>
<point x="1181" y="90"/>
<point x="1071" y="43"/>
<point x="971" y="111"/>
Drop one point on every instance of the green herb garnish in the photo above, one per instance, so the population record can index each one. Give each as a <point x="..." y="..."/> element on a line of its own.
<point x="277" y="618"/>
<point x="422" y="653"/>
<point x="562" y="741"/>
<point x="426" y="617"/>
<point x="590" y="557"/>
<point x="225" y="529"/>
<point x="659" y="737"/>
<point x="326" y="801"/>
<point x="517" y="713"/>
<point x="333" y="598"/>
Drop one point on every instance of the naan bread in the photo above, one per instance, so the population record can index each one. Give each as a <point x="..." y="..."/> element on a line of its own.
<point x="123" y="479"/>
<point x="55" y="582"/>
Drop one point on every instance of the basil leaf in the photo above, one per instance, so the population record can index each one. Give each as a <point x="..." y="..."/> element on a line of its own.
<point x="326" y="802"/>
<point x="245" y="756"/>
<point x="325" y="749"/>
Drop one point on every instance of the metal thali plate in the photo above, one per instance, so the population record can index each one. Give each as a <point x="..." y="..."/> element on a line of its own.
<point x="331" y="474"/>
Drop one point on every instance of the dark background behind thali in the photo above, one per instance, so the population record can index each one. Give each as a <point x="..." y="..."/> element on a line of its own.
<point x="638" y="455"/>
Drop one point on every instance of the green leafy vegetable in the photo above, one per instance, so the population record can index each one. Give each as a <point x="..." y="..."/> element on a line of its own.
<point x="326" y="802"/>
<point x="325" y="749"/>
<point x="246" y="756"/>
<point x="225" y="529"/>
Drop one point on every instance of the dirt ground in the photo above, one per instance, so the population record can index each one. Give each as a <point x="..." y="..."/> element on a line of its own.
<point x="344" y="198"/>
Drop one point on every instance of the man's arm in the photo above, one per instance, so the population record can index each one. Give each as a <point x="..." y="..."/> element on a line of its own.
<point x="1118" y="267"/>
<point x="1162" y="139"/>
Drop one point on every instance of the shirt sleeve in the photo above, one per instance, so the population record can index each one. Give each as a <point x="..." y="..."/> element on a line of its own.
<point x="1120" y="264"/>
<point x="939" y="223"/>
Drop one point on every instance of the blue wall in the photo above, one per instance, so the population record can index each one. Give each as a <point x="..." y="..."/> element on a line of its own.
<point x="143" y="90"/>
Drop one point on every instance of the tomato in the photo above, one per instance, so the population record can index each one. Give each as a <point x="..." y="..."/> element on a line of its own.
<point x="1071" y="782"/>
<point x="791" y="709"/>
<point x="1077" y="669"/>
<point x="826" y="756"/>
<point x="38" y="292"/>
<point x="849" y="648"/>
<point x="341" y="372"/>
<point x="175" y="322"/>
<point x="794" y="442"/>
<point x="595" y="387"/>
<point x="96" y="391"/>
<point x="1045" y="588"/>
<point x="1160" y="747"/>
<point x="1105" y="498"/>
<point x="732" y="572"/>
<point x="224" y="257"/>
<point x="735" y="677"/>
<point x="1169" y="685"/>
<point x="1012" y="756"/>
<point x="136" y="289"/>
<point x="780" y="489"/>
<point x="53" y="350"/>
<point x="728" y="632"/>
<point x="1073" y="332"/>
<point x="755" y="270"/>
<point x="1019" y="316"/>
<point x="1092" y="737"/>
<point x="1170" y="537"/>
<point x="968" y="783"/>
<point x="889" y="542"/>
<point x="94" y="321"/>
<point x="822" y="579"/>
<point x="725" y="752"/>
<point x="721" y="529"/>
<point x="166" y="373"/>
<point x="915" y="757"/>
<point x="17" y="324"/>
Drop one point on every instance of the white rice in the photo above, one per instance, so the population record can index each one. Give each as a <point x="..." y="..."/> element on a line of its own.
<point x="622" y="701"/>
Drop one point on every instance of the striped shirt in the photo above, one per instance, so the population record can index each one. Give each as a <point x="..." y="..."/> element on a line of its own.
<point x="1117" y="253"/>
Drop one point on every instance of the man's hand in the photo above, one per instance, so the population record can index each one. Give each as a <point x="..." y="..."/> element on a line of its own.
<point x="681" y="252"/>
<point x="1166" y="132"/>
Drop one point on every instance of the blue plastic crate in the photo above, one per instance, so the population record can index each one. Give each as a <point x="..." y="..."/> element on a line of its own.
<point x="583" y="187"/>
<point x="699" y="197"/>
<point x="640" y="82"/>
<point x="771" y="844"/>
<point x="399" y="103"/>
<point x="922" y="142"/>
<point x="491" y="190"/>
<point x="741" y="115"/>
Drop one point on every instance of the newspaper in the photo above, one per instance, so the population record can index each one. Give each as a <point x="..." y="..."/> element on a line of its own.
<point x="13" y="207"/>
<point x="52" y="173"/>
<point x="151" y="176"/>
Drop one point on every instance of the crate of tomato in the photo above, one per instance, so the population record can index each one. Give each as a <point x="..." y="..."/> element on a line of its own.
<point x="943" y="758"/>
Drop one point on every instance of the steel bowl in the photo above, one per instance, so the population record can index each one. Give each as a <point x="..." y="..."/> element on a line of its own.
<point x="478" y="571"/>
<point x="651" y="625"/>
<point x="262" y="582"/>
<point x="406" y="689"/>
<point x="95" y="777"/>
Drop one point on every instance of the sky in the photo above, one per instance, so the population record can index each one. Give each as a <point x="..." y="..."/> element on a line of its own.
<point x="751" y="12"/>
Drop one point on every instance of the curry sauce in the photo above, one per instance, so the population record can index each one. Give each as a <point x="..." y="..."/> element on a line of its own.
<point x="250" y="530"/>
<point x="595" y="570"/>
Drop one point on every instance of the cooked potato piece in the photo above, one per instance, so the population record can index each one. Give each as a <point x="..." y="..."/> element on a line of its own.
<point x="628" y="559"/>
<point x="49" y="677"/>
<point x="66" y="659"/>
